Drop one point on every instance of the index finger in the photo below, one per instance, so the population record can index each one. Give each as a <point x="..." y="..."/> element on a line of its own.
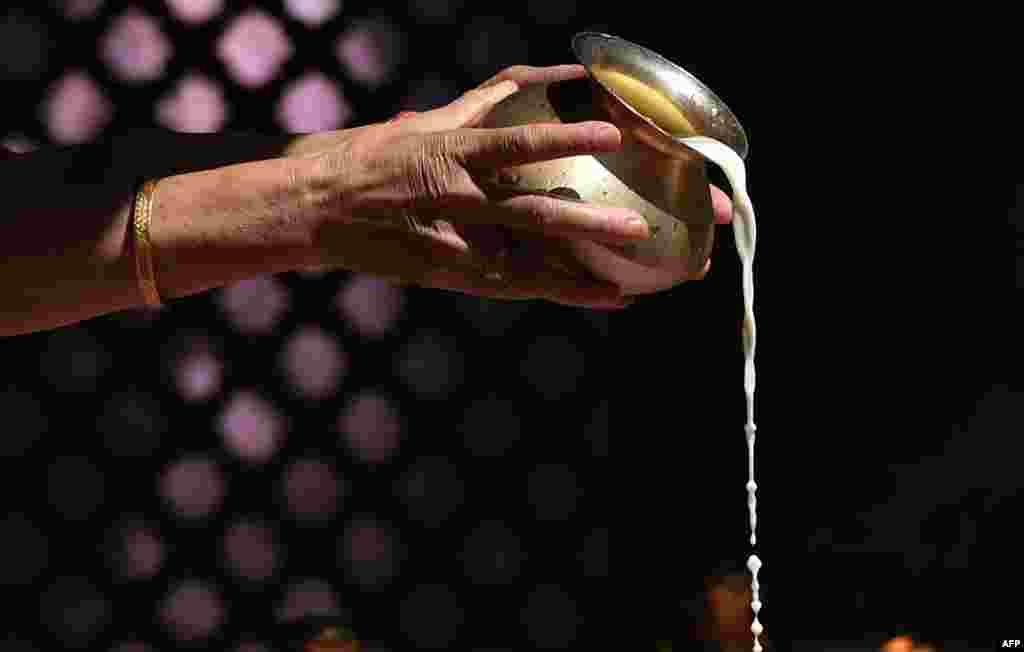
<point x="533" y="143"/>
<point x="524" y="75"/>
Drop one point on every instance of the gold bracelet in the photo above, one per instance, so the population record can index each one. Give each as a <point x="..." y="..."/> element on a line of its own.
<point x="143" y="246"/>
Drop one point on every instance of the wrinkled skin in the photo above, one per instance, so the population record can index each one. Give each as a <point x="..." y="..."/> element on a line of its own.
<point x="414" y="200"/>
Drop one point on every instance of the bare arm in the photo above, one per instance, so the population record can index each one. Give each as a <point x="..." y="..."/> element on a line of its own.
<point x="221" y="214"/>
<point x="397" y="200"/>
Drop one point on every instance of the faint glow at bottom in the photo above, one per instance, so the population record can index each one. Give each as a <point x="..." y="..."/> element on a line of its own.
<point x="905" y="644"/>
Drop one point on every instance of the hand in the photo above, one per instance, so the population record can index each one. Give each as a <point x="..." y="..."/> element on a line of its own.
<point x="406" y="200"/>
<point x="584" y="250"/>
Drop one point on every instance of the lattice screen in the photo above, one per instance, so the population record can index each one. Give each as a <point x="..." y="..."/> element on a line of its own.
<point x="419" y="464"/>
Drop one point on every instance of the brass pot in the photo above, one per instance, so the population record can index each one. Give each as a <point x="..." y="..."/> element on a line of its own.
<point x="654" y="172"/>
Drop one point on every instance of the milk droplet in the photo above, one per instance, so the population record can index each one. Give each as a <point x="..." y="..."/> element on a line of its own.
<point x="754" y="563"/>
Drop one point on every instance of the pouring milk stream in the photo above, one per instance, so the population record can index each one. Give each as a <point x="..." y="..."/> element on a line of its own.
<point x="663" y="112"/>
<point x="745" y="231"/>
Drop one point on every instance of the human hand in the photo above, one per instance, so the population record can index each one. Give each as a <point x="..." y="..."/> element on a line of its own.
<point x="598" y="256"/>
<point x="594" y="255"/>
<point x="409" y="201"/>
<point x="615" y="265"/>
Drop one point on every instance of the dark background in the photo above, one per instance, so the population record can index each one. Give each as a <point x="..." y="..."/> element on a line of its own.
<point x="888" y="453"/>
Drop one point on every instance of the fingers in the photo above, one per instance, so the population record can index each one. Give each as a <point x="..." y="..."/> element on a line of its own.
<point x="488" y="149"/>
<point x="511" y="146"/>
<point x="553" y="254"/>
<point x="524" y="75"/>
<point x="560" y="218"/>
<point x="722" y="206"/>
<point x="467" y="109"/>
<point x="633" y="277"/>
<point x="527" y="272"/>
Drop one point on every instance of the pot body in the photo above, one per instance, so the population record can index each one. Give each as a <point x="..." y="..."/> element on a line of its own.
<point x="652" y="173"/>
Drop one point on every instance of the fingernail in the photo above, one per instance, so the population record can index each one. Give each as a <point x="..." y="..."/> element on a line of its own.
<point x="637" y="226"/>
<point x="607" y="135"/>
<point x="506" y="87"/>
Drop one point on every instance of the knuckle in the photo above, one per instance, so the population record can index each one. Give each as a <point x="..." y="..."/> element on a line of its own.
<point x="474" y="95"/>
<point x="544" y="212"/>
<point x="431" y="174"/>
<point x="451" y="143"/>
<point x="518" y="142"/>
<point x="544" y="137"/>
<point x="507" y="144"/>
<point x="456" y="146"/>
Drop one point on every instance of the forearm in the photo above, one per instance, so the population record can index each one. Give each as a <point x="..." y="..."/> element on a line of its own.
<point x="219" y="226"/>
<point x="226" y="210"/>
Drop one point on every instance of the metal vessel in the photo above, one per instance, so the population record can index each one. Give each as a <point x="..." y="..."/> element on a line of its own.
<point x="654" y="172"/>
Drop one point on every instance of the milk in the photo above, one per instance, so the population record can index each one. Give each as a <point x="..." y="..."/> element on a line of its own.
<point x="745" y="231"/>
<point x="661" y="110"/>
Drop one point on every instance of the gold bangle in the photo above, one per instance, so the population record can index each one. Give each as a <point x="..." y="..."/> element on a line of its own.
<point x="143" y="246"/>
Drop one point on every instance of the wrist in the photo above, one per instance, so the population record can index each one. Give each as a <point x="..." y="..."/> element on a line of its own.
<point x="220" y="226"/>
